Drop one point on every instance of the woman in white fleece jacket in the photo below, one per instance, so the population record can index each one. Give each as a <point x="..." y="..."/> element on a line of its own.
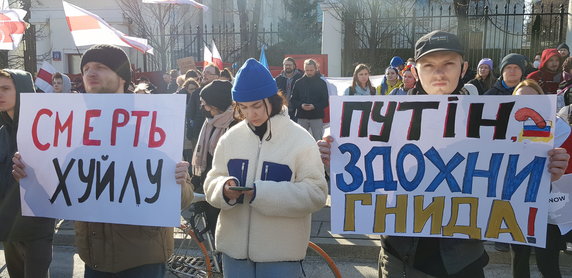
<point x="264" y="232"/>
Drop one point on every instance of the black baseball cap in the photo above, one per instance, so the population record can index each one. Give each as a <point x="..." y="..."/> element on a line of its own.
<point x="437" y="41"/>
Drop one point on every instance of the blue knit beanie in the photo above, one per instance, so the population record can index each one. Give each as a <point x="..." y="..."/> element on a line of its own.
<point x="396" y="61"/>
<point x="253" y="82"/>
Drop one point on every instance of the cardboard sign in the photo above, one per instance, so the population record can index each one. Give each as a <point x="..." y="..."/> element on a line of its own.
<point x="442" y="166"/>
<point x="102" y="157"/>
<point x="185" y="64"/>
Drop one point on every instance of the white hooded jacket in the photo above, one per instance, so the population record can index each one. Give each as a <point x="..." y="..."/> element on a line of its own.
<point x="288" y="175"/>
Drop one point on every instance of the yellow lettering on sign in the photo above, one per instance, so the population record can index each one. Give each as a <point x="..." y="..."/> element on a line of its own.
<point x="471" y="230"/>
<point x="381" y="211"/>
<point x="502" y="211"/>
<point x="350" y="215"/>
<point x="433" y="211"/>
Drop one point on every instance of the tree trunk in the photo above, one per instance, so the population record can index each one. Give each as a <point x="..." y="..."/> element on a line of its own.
<point x="29" y="41"/>
<point x="462" y="13"/>
<point x="350" y="40"/>
<point x="254" y="25"/>
<point x="3" y="59"/>
<point x="243" y="17"/>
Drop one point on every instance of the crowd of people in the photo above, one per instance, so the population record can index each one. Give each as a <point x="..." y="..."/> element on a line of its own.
<point x="252" y="139"/>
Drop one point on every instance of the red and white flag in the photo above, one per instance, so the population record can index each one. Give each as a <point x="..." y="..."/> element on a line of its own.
<point x="207" y="56"/>
<point x="88" y="29"/>
<point x="217" y="60"/>
<point x="44" y="77"/>
<point x="12" y="27"/>
<point x="179" y="2"/>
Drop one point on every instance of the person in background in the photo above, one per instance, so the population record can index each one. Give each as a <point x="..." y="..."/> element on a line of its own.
<point x="512" y="70"/>
<point x="361" y="85"/>
<point x="408" y="82"/>
<point x="286" y="80"/>
<point x="27" y="240"/>
<point x="548" y="74"/>
<point x="484" y="79"/>
<point x="226" y="74"/>
<point x="189" y="87"/>
<point x="172" y="86"/>
<point x="547" y="259"/>
<point x="61" y="83"/>
<point x="194" y="114"/>
<point x="77" y="85"/>
<point x="536" y="63"/>
<point x="216" y="104"/>
<point x="397" y="62"/>
<point x="195" y="74"/>
<point x="564" y="89"/>
<point x="310" y="98"/>
<point x="390" y="81"/>
<point x="563" y="50"/>
<point x="410" y="62"/>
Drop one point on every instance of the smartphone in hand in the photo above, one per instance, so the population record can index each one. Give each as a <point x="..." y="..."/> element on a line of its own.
<point x="240" y="188"/>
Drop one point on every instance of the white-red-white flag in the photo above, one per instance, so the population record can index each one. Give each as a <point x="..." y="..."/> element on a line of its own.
<point x="207" y="56"/>
<point x="12" y="27"/>
<point x="217" y="59"/>
<point x="88" y="29"/>
<point x="179" y="2"/>
<point x="44" y="77"/>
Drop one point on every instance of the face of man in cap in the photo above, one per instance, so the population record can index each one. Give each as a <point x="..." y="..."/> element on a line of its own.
<point x="511" y="74"/>
<point x="98" y="78"/>
<point x="563" y="52"/>
<point x="439" y="72"/>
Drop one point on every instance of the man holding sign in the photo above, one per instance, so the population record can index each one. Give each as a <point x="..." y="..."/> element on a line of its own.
<point x="115" y="249"/>
<point x="439" y="69"/>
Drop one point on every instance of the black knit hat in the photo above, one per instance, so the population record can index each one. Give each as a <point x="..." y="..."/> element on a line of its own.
<point x="437" y="41"/>
<point x="563" y="45"/>
<point x="111" y="56"/>
<point x="516" y="59"/>
<point x="218" y="94"/>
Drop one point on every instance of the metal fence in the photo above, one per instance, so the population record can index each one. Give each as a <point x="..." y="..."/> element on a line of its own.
<point x="226" y="37"/>
<point x="489" y="31"/>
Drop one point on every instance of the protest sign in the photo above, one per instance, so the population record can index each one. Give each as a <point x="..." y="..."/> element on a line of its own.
<point x="560" y="207"/>
<point x="442" y="166"/>
<point x="338" y="85"/>
<point x="102" y="157"/>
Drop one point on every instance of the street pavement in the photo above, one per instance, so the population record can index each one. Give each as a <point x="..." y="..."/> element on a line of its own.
<point x="67" y="264"/>
<point x="355" y="255"/>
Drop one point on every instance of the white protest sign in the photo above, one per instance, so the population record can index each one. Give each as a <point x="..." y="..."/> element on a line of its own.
<point x="102" y="157"/>
<point x="338" y="85"/>
<point x="560" y="207"/>
<point x="442" y="166"/>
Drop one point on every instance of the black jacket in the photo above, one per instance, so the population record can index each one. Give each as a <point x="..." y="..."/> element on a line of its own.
<point x="14" y="226"/>
<point x="499" y="90"/>
<point x="194" y="116"/>
<point x="479" y="84"/>
<point x="310" y="90"/>
<point x="282" y="82"/>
